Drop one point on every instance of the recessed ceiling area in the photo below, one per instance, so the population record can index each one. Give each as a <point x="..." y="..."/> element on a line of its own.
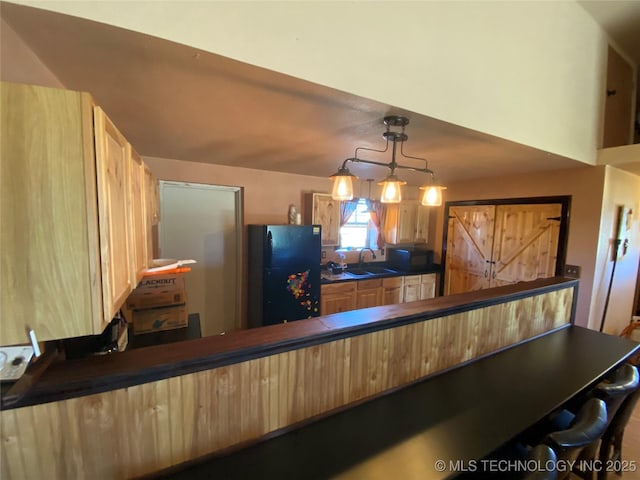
<point x="174" y="101"/>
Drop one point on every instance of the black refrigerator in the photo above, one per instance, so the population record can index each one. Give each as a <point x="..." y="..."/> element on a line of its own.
<point x="284" y="273"/>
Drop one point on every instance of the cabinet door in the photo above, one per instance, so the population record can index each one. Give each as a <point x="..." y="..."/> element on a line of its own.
<point x="469" y="248"/>
<point x="427" y="286"/>
<point x="336" y="298"/>
<point x="138" y="217"/>
<point x="49" y="255"/>
<point x="411" y="288"/>
<point x="525" y="242"/>
<point x="392" y="290"/>
<point x="422" y="224"/>
<point x="407" y="222"/>
<point x="326" y="212"/>
<point x="369" y="293"/>
<point x="113" y="176"/>
<point x="152" y="207"/>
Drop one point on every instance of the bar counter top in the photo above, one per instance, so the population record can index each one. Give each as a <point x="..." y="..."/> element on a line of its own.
<point x="74" y="378"/>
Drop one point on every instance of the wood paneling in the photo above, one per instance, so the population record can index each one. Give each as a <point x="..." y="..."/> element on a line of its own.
<point x="144" y="428"/>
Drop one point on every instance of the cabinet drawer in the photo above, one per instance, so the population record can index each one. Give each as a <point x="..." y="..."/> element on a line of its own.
<point x="427" y="278"/>
<point x="412" y="280"/>
<point x="392" y="282"/>
<point x="366" y="284"/>
<point x="343" y="287"/>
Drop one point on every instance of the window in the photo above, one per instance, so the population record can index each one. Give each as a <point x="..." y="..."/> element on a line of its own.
<point x="355" y="233"/>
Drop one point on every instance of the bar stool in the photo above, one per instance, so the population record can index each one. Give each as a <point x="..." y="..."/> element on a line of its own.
<point x="586" y="429"/>
<point x="611" y="445"/>
<point x="615" y="389"/>
<point x="546" y="459"/>
<point x="612" y="390"/>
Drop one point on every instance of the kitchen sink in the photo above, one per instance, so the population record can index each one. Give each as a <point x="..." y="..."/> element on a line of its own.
<point x="358" y="272"/>
<point x="379" y="270"/>
<point x="369" y="271"/>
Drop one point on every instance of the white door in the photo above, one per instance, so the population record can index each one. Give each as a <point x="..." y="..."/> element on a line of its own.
<point x="203" y="222"/>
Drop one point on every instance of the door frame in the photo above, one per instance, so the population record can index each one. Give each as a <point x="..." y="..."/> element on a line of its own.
<point x="563" y="236"/>
<point x="239" y="226"/>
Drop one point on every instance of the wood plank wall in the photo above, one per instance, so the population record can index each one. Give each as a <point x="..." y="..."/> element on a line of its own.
<point x="134" y="431"/>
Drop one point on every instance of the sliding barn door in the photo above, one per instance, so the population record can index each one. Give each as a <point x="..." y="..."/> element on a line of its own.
<point x="493" y="245"/>
<point x="525" y="242"/>
<point x="469" y="248"/>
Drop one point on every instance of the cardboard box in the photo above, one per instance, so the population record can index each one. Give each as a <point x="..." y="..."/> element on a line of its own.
<point x="158" y="291"/>
<point x="161" y="318"/>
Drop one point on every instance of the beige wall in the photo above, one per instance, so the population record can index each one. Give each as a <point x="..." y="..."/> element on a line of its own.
<point x="584" y="184"/>
<point x="266" y="195"/>
<point x="531" y="72"/>
<point x="620" y="189"/>
<point x="19" y="64"/>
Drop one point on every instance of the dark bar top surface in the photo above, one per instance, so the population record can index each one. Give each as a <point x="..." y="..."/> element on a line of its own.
<point x="458" y="416"/>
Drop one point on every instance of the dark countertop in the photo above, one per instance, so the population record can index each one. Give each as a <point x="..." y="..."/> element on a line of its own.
<point x="456" y="418"/>
<point x="327" y="278"/>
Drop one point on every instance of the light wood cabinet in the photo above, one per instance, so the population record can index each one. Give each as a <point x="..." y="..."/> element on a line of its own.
<point x="152" y="196"/>
<point x="427" y="286"/>
<point x="139" y="225"/>
<point x="392" y="290"/>
<point x="369" y="293"/>
<point x="113" y="173"/>
<point x="321" y="209"/>
<point x="411" y="289"/>
<point x="493" y="245"/>
<point x="407" y="222"/>
<point x="65" y="209"/>
<point x="337" y="297"/>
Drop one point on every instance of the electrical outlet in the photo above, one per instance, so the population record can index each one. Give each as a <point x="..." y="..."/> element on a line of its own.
<point x="572" y="271"/>
<point x="323" y="254"/>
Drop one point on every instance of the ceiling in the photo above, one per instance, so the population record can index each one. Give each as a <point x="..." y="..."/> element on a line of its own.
<point x="174" y="101"/>
<point x="620" y="19"/>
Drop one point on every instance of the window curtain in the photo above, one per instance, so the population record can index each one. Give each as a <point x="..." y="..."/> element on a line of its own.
<point x="378" y="217"/>
<point x="347" y="208"/>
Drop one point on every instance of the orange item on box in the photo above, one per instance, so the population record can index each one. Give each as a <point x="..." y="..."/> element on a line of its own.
<point x="168" y="272"/>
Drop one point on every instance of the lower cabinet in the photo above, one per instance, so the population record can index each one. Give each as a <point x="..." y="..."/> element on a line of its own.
<point x="419" y="287"/>
<point x="345" y="296"/>
<point x="337" y="297"/>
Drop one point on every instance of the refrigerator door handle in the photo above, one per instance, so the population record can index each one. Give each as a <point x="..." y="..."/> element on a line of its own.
<point x="269" y="249"/>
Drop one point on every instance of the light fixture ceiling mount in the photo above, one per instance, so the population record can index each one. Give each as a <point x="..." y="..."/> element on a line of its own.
<point x="391" y="193"/>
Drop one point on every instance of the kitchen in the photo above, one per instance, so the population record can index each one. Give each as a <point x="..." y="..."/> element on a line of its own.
<point x="268" y="195"/>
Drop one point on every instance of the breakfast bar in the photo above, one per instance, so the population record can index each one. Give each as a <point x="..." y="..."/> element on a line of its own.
<point x="436" y="428"/>
<point x="382" y="388"/>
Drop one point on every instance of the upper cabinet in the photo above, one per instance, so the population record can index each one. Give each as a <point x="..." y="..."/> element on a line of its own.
<point x="113" y="172"/>
<point x="407" y="222"/>
<point x="68" y="257"/>
<point x="325" y="211"/>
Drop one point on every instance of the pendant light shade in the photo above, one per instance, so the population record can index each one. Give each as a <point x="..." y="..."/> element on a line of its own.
<point x="342" y="184"/>
<point x="432" y="196"/>
<point x="391" y="192"/>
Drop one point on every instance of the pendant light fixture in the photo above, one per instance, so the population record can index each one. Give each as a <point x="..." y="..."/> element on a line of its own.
<point x="391" y="191"/>
<point x="432" y="196"/>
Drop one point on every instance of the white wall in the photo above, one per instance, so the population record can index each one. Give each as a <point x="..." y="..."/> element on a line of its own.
<point x="531" y="72"/>
<point x="620" y="189"/>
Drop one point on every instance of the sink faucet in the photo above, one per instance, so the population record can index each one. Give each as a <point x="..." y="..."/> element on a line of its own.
<point x="373" y="255"/>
